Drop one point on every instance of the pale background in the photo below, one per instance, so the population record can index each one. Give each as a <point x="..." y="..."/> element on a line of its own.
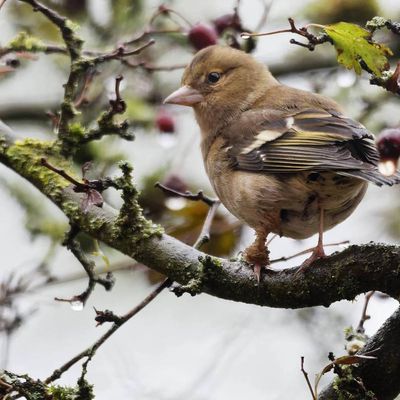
<point x="183" y="348"/>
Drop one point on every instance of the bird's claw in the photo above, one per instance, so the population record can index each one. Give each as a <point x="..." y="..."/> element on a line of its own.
<point x="257" y="268"/>
<point x="317" y="253"/>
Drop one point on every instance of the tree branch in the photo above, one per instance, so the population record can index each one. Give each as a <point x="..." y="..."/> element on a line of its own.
<point x="381" y="376"/>
<point x="313" y="40"/>
<point x="66" y="27"/>
<point x="344" y="275"/>
<point x="107" y="315"/>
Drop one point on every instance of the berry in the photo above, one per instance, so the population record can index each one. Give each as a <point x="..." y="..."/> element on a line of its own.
<point x="165" y="123"/>
<point x="201" y="36"/>
<point x="227" y="21"/>
<point x="389" y="151"/>
<point x="389" y="143"/>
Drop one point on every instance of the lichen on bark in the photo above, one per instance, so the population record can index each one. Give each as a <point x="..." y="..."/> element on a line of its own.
<point x="24" y="156"/>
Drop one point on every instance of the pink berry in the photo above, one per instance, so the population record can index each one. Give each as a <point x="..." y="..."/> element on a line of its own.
<point x="165" y="123"/>
<point x="389" y="151"/>
<point x="201" y="36"/>
<point x="389" y="144"/>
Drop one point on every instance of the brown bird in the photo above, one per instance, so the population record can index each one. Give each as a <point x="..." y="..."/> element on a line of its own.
<point x="280" y="159"/>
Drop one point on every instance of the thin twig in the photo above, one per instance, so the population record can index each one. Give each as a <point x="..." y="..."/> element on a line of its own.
<point x="306" y="378"/>
<point x="55" y="49"/>
<point x="109" y="316"/>
<point x="149" y="32"/>
<point x="313" y="40"/>
<point x="46" y="49"/>
<point x="82" y="98"/>
<point x="163" y="10"/>
<point x="199" y="196"/>
<point x="264" y="16"/>
<point x="62" y="173"/>
<point x="364" y="315"/>
<point x="121" y="52"/>
<point x="213" y="203"/>
<point x="72" y="42"/>
<point x="117" y="267"/>
<point x="106" y="124"/>
<point x="86" y="186"/>
<point x="89" y="266"/>
<point x="90" y="351"/>
<point x="300" y="253"/>
<point x="150" y="67"/>
<point x="78" y="68"/>
<point x="204" y="236"/>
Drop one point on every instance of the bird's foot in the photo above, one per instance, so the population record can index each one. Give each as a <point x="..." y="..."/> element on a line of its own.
<point x="258" y="259"/>
<point x="316" y="254"/>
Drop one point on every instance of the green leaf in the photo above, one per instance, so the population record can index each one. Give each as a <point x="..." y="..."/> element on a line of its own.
<point x="354" y="45"/>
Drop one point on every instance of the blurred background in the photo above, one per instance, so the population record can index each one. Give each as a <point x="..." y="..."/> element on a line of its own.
<point x="189" y="347"/>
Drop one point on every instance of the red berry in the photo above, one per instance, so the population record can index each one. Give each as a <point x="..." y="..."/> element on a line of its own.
<point x="201" y="36"/>
<point x="227" y="21"/>
<point x="389" y="144"/>
<point x="389" y="151"/>
<point x="165" y="123"/>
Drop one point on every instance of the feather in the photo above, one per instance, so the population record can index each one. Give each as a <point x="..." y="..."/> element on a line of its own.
<point x="316" y="140"/>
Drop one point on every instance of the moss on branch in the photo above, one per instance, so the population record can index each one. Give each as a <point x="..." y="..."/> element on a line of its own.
<point x="25" y="42"/>
<point x="24" y="156"/>
<point x="343" y="275"/>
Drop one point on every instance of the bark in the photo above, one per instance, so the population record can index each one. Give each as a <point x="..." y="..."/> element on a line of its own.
<point x="344" y="275"/>
<point x="381" y="376"/>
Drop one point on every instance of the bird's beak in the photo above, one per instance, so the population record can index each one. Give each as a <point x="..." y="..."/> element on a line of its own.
<point x="184" y="96"/>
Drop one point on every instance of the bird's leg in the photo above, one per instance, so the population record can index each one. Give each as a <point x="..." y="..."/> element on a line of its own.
<point x="318" y="251"/>
<point x="257" y="253"/>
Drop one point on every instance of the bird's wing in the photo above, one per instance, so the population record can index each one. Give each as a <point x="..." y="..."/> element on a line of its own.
<point x="315" y="140"/>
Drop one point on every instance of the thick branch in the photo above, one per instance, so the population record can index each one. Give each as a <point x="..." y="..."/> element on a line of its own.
<point x="381" y="376"/>
<point x="344" y="275"/>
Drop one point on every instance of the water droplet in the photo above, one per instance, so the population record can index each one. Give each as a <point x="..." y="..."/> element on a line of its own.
<point x="175" y="203"/>
<point x="167" y="140"/>
<point x="387" y="167"/>
<point x="77" y="305"/>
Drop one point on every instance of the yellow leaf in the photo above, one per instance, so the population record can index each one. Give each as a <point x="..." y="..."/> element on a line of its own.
<point x="354" y="46"/>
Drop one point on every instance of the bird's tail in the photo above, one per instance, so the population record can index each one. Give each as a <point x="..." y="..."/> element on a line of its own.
<point x="374" y="176"/>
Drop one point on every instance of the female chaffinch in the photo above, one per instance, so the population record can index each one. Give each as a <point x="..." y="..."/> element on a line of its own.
<point x="282" y="160"/>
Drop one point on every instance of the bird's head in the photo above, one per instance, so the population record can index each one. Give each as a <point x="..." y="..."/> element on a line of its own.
<point x="219" y="83"/>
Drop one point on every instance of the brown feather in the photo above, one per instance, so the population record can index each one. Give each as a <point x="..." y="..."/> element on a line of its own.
<point x="277" y="155"/>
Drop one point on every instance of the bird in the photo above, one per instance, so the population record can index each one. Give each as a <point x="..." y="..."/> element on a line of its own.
<point x="283" y="160"/>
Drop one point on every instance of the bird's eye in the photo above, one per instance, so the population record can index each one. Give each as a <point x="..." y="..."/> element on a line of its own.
<point x="213" y="77"/>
